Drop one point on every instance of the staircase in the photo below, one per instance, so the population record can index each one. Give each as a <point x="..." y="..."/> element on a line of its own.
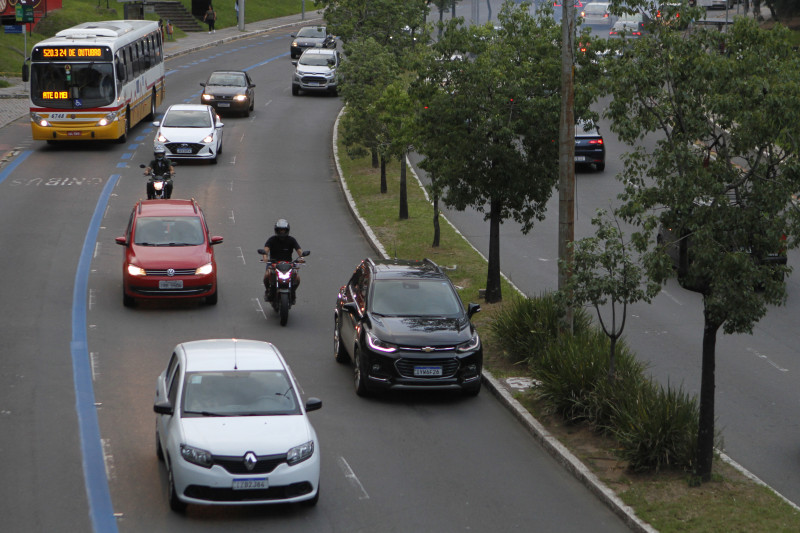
<point x="177" y="15"/>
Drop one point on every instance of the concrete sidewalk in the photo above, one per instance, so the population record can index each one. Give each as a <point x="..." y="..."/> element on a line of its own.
<point x="14" y="103"/>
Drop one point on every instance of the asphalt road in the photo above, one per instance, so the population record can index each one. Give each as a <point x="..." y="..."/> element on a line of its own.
<point x="405" y="462"/>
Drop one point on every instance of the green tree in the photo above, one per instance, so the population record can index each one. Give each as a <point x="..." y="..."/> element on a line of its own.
<point x="721" y="175"/>
<point x="368" y="69"/>
<point x="382" y="20"/>
<point x="604" y="272"/>
<point x="488" y="120"/>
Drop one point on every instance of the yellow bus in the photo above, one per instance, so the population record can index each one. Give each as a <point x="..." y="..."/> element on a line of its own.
<point x="95" y="80"/>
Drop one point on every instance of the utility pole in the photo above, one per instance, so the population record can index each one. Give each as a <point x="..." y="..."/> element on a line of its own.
<point x="566" y="150"/>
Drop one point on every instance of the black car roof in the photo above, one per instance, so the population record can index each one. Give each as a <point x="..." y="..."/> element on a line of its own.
<point x="404" y="268"/>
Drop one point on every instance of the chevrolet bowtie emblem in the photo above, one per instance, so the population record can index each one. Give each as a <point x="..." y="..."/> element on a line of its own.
<point x="427" y="349"/>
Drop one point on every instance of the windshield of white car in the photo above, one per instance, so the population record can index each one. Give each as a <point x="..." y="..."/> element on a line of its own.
<point x="239" y="393"/>
<point x="316" y="60"/>
<point x="187" y="119"/>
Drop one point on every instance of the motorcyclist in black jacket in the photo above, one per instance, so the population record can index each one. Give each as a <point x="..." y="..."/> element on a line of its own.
<point x="279" y="247"/>
<point x="160" y="166"/>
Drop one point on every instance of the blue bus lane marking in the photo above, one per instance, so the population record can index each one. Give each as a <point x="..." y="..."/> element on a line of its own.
<point x="14" y="164"/>
<point x="94" y="472"/>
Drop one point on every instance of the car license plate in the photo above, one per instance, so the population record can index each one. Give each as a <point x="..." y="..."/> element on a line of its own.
<point x="74" y="133"/>
<point x="423" y="371"/>
<point x="580" y="158"/>
<point x="250" y="483"/>
<point x="314" y="84"/>
<point x="184" y="150"/>
<point x="224" y="104"/>
<point x="170" y="284"/>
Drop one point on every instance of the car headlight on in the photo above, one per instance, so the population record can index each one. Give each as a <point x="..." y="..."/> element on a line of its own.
<point x="208" y="139"/>
<point x="161" y="138"/>
<point x="240" y="97"/>
<point x="470" y="345"/>
<point x="376" y="344"/>
<point x="134" y="270"/>
<point x="207" y="96"/>
<point x="205" y="269"/>
<point x="197" y="456"/>
<point x="294" y="44"/>
<point x="298" y="454"/>
<point x="35" y="117"/>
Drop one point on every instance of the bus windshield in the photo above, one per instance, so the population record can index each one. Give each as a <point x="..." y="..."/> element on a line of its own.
<point x="72" y="86"/>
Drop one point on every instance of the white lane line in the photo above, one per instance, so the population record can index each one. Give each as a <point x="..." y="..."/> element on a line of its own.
<point x="668" y="295"/>
<point x="108" y="459"/>
<point x="767" y="359"/>
<point x="351" y="477"/>
<point x="259" y="307"/>
<point x="241" y="254"/>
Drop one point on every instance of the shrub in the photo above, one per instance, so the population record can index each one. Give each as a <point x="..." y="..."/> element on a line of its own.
<point x="656" y="428"/>
<point x="524" y="327"/>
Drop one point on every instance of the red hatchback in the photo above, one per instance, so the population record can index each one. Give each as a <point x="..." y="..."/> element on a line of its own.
<point x="168" y="253"/>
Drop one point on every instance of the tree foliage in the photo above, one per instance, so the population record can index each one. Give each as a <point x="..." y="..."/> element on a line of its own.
<point x="722" y="174"/>
<point x="606" y="273"/>
<point x="488" y="120"/>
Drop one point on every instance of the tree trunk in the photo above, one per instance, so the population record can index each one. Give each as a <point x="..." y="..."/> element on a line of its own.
<point x="403" y="191"/>
<point x="436" y="230"/>
<point x="441" y="21"/>
<point x="453" y="9"/>
<point x="375" y="162"/>
<point x="493" y="289"/>
<point x="705" y="430"/>
<point x="383" y="175"/>
<point x="612" y="367"/>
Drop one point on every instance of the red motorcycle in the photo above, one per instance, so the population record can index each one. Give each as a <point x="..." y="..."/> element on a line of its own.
<point x="282" y="277"/>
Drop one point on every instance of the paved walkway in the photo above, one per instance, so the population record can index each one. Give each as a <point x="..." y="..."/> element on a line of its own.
<point x="14" y="103"/>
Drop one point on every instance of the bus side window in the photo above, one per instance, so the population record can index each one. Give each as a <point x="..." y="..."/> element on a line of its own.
<point x="128" y="64"/>
<point x="119" y="64"/>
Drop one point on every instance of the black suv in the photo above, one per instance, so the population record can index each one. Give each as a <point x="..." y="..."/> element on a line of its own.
<point x="403" y="326"/>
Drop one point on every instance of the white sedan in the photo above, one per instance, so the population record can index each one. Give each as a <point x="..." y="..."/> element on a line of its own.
<point x="231" y="428"/>
<point x="190" y="131"/>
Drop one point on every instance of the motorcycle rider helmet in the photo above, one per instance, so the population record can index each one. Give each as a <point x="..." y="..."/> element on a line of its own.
<point x="282" y="227"/>
<point x="160" y="152"/>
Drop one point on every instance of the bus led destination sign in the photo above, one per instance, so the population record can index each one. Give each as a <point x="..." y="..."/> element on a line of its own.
<point x="71" y="53"/>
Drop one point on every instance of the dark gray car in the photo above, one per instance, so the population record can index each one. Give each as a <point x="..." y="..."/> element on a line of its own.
<point x="311" y="37"/>
<point x="229" y="90"/>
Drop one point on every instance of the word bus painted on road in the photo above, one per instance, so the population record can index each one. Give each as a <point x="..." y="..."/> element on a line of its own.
<point x="96" y="80"/>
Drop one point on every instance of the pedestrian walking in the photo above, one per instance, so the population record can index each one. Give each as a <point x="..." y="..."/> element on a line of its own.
<point x="210" y="18"/>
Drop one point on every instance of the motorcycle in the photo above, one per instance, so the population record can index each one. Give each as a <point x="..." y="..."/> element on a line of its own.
<point x="161" y="185"/>
<point x="282" y="278"/>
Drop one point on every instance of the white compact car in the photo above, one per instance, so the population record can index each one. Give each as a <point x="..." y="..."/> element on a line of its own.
<point x="231" y="427"/>
<point x="190" y="131"/>
<point x="316" y="71"/>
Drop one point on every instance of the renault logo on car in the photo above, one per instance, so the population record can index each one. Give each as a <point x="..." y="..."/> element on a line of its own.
<point x="250" y="461"/>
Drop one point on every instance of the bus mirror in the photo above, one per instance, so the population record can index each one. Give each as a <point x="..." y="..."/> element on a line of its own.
<point x="25" y="72"/>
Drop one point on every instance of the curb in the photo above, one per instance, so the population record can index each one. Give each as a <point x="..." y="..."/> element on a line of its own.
<point x="550" y="443"/>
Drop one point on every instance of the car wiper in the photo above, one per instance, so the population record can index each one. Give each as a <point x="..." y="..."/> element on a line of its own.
<point x="205" y="413"/>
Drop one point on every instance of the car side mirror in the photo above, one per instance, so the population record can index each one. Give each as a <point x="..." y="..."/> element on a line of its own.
<point x="472" y="309"/>
<point x="294" y="62"/>
<point x="352" y="308"/>
<point x="216" y="239"/>
<point x="157" y="123"/>
<point x="121" y="241"/>
<point x="25" y="72"/>
<point x="163" y="408"/>
<point x="313" y="404"/>
<point x="202" y="85"/>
